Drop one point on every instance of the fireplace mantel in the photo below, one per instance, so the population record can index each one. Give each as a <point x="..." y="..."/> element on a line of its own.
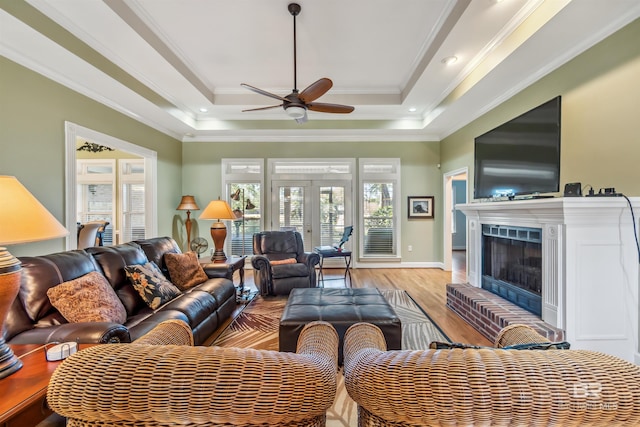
<point x="590" y="274"/>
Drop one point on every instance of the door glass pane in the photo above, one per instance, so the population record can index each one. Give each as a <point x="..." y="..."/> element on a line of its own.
<point x="332" y="209"/>
<point x="378" y="218"/>
<point x="291" y="209"/>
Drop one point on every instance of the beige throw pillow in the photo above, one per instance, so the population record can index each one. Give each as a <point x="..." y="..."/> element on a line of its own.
<point x="89" y="298"/>
<point x="185" y="270"/>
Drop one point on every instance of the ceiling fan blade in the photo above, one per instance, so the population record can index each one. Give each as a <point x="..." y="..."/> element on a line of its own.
<point x="330" y="108"/>
<point x="262" y="92"/>
<point x="263" y="108"/>
<point x="315" y="90"/>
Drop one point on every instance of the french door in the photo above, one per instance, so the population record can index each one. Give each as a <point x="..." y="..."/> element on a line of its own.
<point x="318" y="209"/>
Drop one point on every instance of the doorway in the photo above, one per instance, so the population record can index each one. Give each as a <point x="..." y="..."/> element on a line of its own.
<point x="455" y="224"/>
<point x="148" y="190"/>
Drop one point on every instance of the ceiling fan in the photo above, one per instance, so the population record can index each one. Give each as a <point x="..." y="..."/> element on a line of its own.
<point x="297" y="103"/>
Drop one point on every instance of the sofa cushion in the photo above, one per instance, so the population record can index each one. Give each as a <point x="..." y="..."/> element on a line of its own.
<point x="185" y="270"/>
<point x="112" y="260"/>
<point x="156" y="247"/>
<point x="89" y="298"/>
<point x="151" y="284"/>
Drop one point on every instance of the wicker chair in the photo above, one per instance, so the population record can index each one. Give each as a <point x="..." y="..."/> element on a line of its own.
<point x="161" y="385"/>
<point x="464" y="387"/>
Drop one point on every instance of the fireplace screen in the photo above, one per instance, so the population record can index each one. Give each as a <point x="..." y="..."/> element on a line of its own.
<point x="512" y="264"/>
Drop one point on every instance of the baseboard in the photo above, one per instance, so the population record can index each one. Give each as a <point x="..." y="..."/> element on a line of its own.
<point x="439" y="265"/>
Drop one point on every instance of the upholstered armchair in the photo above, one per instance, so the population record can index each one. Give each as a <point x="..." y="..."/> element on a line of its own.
<point x="281" y="264"/>
<point x="152" y="382"/>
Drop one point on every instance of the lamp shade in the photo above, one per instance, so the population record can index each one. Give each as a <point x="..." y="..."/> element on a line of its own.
<point x="23" y="219"/>
<point x="217" y="209"/>
<point x="188" y="203"/>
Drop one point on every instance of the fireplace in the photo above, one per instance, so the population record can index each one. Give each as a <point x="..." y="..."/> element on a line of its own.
<point x="512" y="264"/>
<point x="590" y="274"/>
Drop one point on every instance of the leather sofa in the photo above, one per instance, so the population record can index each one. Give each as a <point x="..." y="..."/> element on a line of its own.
<point x="144" y="384"/>
<point x="488" y="386"/>
<point x="32" y="318"/>
<point x="280" y="263"/>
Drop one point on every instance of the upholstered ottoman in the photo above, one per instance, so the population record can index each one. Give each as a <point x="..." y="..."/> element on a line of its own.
<point x="342" y="308"/>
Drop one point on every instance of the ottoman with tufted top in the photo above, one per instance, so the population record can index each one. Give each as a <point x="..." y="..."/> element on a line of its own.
<point x="342" y="308"/>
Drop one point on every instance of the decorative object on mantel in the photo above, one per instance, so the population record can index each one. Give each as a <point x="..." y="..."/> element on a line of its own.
<point x="23" y="220"/>
<point x="245" y="206"/>
<point x="92" y="147"/>
<point x="420" y="207"/>
<point x="218" y="210"/>
<point x="188" y="203"/>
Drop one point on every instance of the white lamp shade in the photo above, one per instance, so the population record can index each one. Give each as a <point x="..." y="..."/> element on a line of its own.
<point x="23" y="218"/>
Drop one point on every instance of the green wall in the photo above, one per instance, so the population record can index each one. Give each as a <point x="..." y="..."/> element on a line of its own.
<point x="33" y="110"/>
<point x="600" y="143"/>
<point x="420" y="177"/>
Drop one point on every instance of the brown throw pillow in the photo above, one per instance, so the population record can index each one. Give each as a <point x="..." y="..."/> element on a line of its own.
<point x="151" y="284"/>
<point x="88" y="298"/>
<point x="284" y="261"/>
<point x="185" y="270"/>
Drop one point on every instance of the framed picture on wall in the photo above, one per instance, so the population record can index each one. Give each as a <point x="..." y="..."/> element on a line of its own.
<point x="420" y="207"/>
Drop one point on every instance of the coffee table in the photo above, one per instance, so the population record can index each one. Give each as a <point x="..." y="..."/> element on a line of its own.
<point x="342" y="307"/>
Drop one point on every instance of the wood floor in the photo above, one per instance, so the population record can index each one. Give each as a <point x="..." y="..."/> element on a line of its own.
<point x="427" y="286"/>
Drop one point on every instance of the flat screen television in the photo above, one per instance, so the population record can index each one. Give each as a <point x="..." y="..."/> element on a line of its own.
<point x="520" y="157"/>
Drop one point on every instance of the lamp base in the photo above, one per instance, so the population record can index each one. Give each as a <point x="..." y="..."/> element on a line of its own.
<point x="9" y="363"/>
<point x="10" y="275"/>
<point x="218" y="234"/>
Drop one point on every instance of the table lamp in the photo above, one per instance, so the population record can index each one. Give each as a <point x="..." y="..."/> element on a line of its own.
<point x="23" y="219"/>
<point x="217" y="210"/>
<point x="188" y="203"/>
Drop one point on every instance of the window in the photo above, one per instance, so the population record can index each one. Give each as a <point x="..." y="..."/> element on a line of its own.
<point x="132" y="196"/>
<point x="96" y="193"/>
<point x="243" y="181"/>
<point x="379" y="207"/>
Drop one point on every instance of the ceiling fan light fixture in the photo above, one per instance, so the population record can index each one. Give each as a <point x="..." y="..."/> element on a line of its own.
<point x="295" y="112"/>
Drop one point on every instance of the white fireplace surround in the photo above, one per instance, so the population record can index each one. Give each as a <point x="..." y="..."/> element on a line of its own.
<point x="590" y="265"/>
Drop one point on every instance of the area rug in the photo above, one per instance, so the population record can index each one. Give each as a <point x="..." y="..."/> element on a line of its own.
<point x="257" y="327"/>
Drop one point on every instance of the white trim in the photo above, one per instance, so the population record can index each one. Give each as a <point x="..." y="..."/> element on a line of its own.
<point x="72" y="133"/>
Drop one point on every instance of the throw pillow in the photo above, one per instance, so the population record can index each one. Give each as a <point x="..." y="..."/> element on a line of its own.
<point x="563" y="345"/>
<point x="151" y="284"/>
<point x="284" y="261"/>
<point x="185" y="270"/>
<point x="89" y="298"/>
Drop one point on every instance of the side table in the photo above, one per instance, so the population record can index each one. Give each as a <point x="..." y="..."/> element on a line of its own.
<point x="23" y="394"/>
<point x="334" y="253"/>
<point x="226" y="269"/>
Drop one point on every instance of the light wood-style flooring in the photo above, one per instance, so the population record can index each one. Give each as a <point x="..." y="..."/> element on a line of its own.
<point x="427" y="286"/>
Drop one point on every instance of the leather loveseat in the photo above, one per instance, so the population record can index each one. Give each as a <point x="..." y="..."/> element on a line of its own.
<point x="32" y="318"/>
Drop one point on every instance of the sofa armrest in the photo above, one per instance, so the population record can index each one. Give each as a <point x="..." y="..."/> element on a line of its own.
<point x="262" y="273"/>
<point x="488" y="386"/>
<point x="169" y="332"/>
<point x="310" y="258"/>
<point x="83" y="333"/>
<point x="147" y="384"/>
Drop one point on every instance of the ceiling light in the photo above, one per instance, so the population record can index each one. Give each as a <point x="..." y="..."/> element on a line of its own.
<point x="450" y="60"/>
<point x="295" y="112"/>
<point x="204" y="110"/>
<point x="412" y="109"/>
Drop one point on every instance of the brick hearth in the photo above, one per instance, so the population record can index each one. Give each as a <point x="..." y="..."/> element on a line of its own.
<point x="488" y="313"/>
